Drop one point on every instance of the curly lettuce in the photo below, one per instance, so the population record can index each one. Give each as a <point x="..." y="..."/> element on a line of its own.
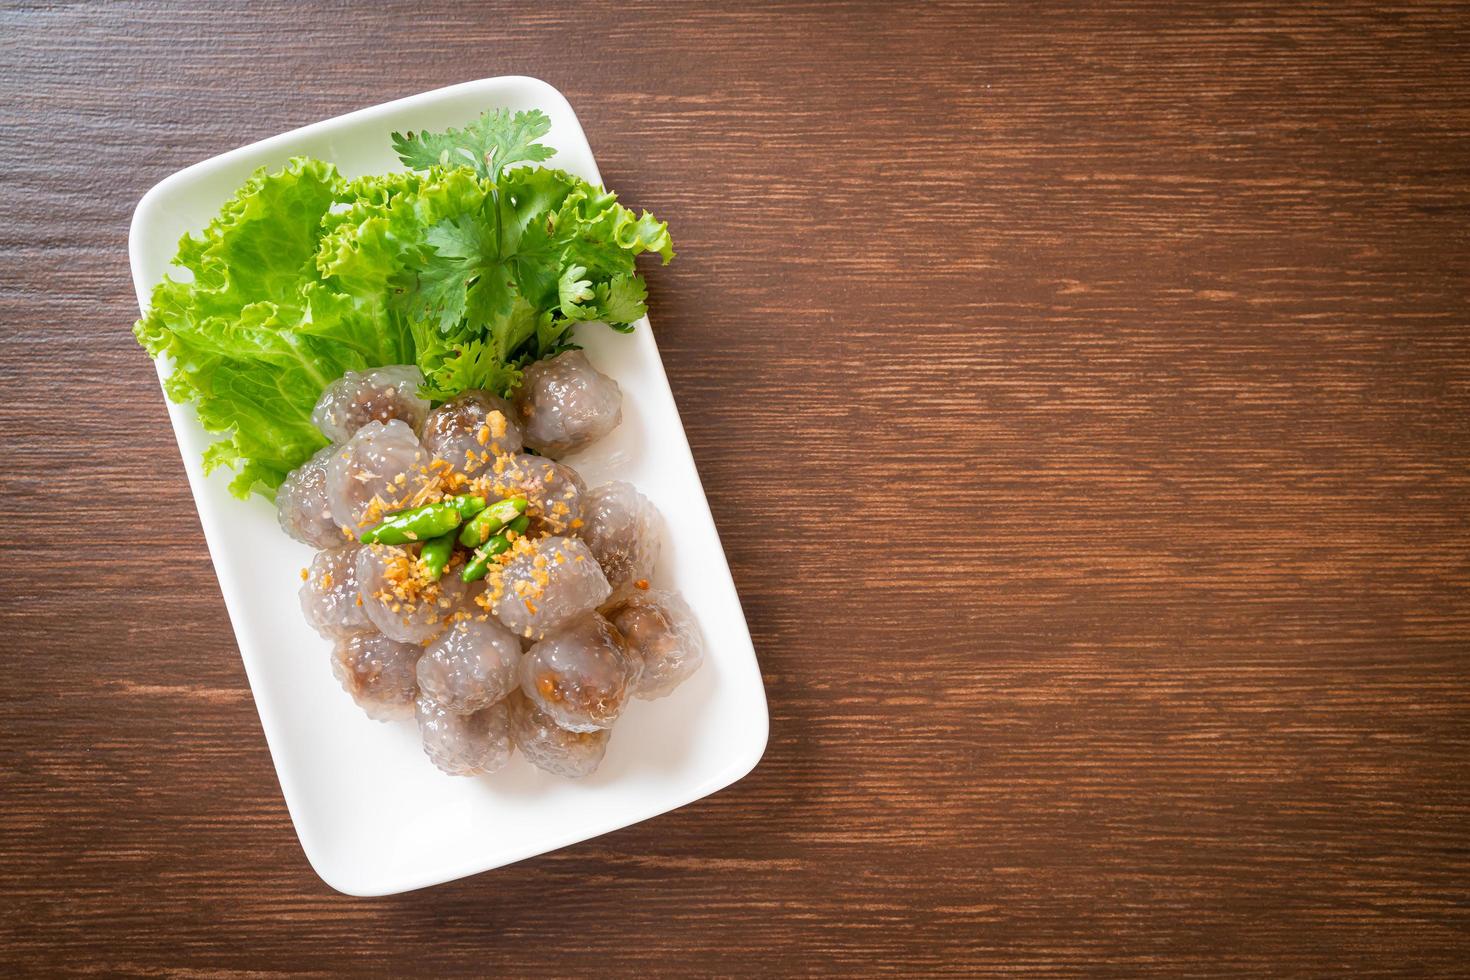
<point x="471" y="264"/>
<point x="251" y="346"/>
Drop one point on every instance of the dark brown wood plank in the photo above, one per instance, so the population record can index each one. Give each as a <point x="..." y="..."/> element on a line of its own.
<point x="1083" y="394"/>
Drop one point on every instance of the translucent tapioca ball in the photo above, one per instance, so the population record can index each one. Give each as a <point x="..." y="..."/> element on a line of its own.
<point x="660" y="631"/>
<point x="381" y="460"/>
<point x="302" y="506"/>
<point x="581" y="675"/>
<point x="329" y="596"/>
<point x="621" y="526"/>
<point x="379" y="395"/>
<point x="471" y="429"/>
<point x="399" y="598"/>
<point x="551" y="748"/>
<point x="464" y="744"/>
<point x="546" y="583"/>
<point x="378" y="673"/>
<point x="567" y="404"/>
<point x="554" y="491"/>
<point x="471" y="665"/>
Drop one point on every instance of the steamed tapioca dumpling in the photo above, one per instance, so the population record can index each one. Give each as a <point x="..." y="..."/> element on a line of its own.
<point x="548" y="746"/>
<point x="302" y="506"/>
<point x="399" y="597"/>
<point x="567" y="404"/>
<point x="379" y="395"/>
<point x="471" y="744"/>
<point x="371" y="473"/>
<point x="378" y="673"/>
<point x="546" y="583"/>
<point x="621" y="527"/>
<point x="554" y="491"/>
<point x="661" y="632"/>
<point x="329" y="596"/>
<point x="581" y="675"/>
<point x="471" y="665"/>
<point x="470" y="430"/>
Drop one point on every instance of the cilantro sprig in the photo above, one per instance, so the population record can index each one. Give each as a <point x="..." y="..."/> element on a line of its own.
<point x="490" y="144"/>
<point x="533" y="252"/>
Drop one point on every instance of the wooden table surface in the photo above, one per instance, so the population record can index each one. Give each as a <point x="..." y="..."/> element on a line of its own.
<point x="1083" y="396"/>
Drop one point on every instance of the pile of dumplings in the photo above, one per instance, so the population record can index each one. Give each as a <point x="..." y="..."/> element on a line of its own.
<point x="544" y="653"/>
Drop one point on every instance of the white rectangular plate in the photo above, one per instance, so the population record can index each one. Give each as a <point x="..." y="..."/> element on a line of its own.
<point x="373" y="814"/>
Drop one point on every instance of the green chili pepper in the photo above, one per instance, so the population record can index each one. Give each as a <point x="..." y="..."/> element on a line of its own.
<point x="479" y="563"/>
<point x="469" y="504"/>
<point x="418" y="524"/>
<point x="422" y="523"/>
<point x="435" y="554"/>
<point x="490" y="520"/>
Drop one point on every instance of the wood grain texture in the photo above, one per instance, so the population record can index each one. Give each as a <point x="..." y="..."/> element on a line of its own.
<point x="1082" y="393"/>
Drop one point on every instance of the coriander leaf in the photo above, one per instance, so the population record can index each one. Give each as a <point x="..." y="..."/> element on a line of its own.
<point x="552" y="337"/>
<point x="573" y="289"/>
<point x="622" y="300"/>
<point x="617" y="302"/>
<point x="444" y="280"/>
<point x="464" y="276"/>
<point x="490" y="144"/>
<point x="424" y="151"/>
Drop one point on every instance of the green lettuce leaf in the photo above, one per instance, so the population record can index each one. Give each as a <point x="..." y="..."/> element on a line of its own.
<point x="249" y="347"/>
